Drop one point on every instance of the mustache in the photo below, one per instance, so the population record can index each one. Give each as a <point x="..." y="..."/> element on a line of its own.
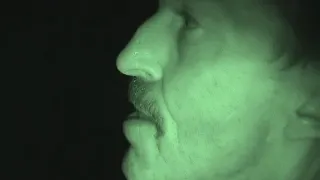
<point x="140" y="96"/>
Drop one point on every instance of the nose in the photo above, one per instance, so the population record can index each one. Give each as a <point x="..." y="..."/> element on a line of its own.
<point x="140" y="62"/>
<point x="149" y="50"/>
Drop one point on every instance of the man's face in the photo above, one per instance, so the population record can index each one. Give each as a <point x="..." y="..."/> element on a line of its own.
<point x="221" y="95"/>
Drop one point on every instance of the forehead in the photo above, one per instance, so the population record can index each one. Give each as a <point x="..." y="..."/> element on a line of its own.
<point x="233" y="4"/>
<point x="186" y="1"/>
<point x="172" y="4"/>
<point x="205" y="8"/>
<point x="208" y="7"/>
<point x="179" y="4"/>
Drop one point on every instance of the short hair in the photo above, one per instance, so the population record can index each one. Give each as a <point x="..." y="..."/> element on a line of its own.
<point x="301" y="16"/>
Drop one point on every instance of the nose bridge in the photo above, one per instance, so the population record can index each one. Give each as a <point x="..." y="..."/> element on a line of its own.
<point x="149" y="50"/>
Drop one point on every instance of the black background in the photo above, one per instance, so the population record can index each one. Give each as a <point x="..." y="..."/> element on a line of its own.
<point x="66" y="99"/>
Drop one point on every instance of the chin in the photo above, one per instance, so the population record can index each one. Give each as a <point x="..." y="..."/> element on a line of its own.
<point x="133" y="168"/>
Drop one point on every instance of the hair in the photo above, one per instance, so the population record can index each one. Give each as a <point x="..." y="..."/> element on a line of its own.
<point x="301" y="15"/>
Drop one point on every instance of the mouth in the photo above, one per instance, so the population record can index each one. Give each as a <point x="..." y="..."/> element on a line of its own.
<point x="138" y="115"/>
<point x="141" y="116"/>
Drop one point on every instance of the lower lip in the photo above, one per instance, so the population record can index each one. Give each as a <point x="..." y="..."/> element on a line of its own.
<point x="133" y="127"/>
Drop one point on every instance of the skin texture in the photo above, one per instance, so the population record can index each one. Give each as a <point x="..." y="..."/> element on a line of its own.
<point x="215" y="78"/>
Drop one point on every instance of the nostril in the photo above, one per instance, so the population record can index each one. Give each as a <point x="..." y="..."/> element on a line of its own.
<point x="135" y="72"/>
<point x="143" y="74"/>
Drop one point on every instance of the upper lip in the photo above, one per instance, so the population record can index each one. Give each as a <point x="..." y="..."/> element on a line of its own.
<point x="141" y="110"/>
<point x="144" y="111"/>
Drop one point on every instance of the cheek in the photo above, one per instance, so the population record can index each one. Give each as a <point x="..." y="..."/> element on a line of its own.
<point x="210" y="120"/>
<point x="204" y="92"/>
<point x="207" y="104"/>
<point x="186" y="93"/>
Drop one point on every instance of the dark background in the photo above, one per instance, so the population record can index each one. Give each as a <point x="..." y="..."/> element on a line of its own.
<point x="66" y="99"/>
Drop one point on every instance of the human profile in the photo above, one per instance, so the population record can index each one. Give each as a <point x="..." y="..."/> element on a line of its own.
<point x="215" y="97"/>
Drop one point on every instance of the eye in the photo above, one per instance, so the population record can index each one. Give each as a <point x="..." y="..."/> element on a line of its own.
<point x="189" y="21"/>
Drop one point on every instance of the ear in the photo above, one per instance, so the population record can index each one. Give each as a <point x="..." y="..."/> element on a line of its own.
<point x="307" y="121"/>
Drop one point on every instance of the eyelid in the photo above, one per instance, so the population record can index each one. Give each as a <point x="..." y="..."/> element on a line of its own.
<point x="189" y="18"/>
